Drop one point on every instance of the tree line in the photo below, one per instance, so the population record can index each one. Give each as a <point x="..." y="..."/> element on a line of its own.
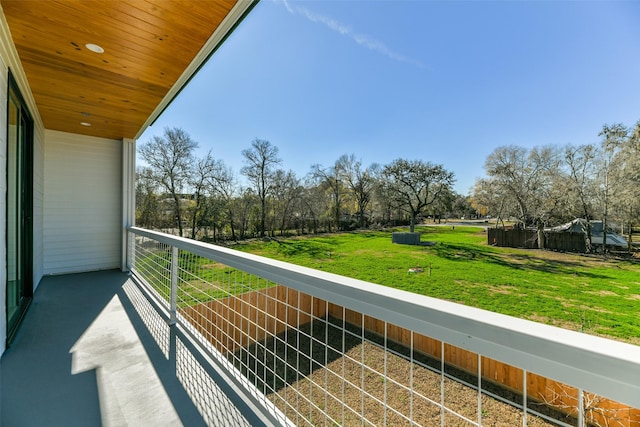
<point x="550" y="185"/>
<point x="538" y="187"/>
<point x="201" y="196"/>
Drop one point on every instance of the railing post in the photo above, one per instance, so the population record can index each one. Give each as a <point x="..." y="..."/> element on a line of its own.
<point x="173" y="300"/>
<point x="524" y="398"/>
<point x="581" y="420"/>
<point x="479" y="389"/>
<point x="126" y="251"/>
<point x="129" y="237"/>
<point x="442" y="406"/>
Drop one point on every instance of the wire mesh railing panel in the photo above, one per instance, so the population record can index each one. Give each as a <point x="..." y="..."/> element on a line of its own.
<point x="316" y="362"/>
<point x="152" y="262"/>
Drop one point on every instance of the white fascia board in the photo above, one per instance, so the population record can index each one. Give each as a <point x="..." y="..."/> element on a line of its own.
<point x="234" y="17"/>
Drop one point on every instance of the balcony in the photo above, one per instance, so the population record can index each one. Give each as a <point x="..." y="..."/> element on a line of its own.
<point x="200" y="334"/>
<point x="94" y="350"/>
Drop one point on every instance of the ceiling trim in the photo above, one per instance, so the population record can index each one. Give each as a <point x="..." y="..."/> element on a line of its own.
<point x="226" y="27"/>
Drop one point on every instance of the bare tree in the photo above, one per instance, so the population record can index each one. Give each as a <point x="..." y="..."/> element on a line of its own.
<point x="242" y="207"/>
<point x="214" y="217"/>
<point x="286" y="190"/>
<point x="526" y="177"/>
<point x="360" y="182"/>
<point x="202" y="174"/>
<point x="260" y="161"/>
<point x="313" y="204"/>
<point x="443" y="205"/>
<point x="383" y="204"/>
<point x="628" y="176"/>
<point x="223" y="183"/>
<point x="415" y="185"/>
<point x="330" y="179"/>
<point x="613" y="139"/>
<point x="170" y="157"/>
<point x="147" y="203"/>
<point x="490" y="198"/>
<point x="581" y="164"/>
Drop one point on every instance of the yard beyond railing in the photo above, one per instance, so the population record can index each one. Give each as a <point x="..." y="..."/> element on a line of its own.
<point x="318" y="348"/>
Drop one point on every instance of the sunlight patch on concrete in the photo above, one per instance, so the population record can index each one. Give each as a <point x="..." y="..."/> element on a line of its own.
<point x="129" y="389"/>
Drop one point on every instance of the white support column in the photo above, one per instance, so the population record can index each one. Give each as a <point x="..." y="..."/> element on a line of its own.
<point x="128" y="195"/>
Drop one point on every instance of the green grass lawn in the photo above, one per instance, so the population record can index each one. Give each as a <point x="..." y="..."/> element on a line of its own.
<point x="200" y="279"/>
<point x="572" y="291"/>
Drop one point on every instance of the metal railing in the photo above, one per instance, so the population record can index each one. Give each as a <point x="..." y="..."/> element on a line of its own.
<point x="317" y="348"/>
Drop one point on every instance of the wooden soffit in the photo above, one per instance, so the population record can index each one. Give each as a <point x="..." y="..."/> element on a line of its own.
<point x="151" y="49"/>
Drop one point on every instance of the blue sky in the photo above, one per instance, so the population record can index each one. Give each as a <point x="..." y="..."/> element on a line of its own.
<point x="441" y="81"/>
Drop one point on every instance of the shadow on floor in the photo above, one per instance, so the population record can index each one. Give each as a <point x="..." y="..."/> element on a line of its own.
<point x="94" y="351"/>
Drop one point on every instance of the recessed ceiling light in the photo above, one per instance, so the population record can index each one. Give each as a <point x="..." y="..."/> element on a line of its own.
<point x="94" y="48"/>
<point x="85" y="123"/>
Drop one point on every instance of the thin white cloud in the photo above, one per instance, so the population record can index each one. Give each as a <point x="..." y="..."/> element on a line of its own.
<point x="344" y="30"/>
<point x="287" y="6"/>
<point x="331" y="23"/>
<point x="382" y="48"/>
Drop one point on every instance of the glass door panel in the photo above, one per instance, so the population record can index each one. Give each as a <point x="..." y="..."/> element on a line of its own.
<point x="14" y="288"/>
<point x="19" y="207"/>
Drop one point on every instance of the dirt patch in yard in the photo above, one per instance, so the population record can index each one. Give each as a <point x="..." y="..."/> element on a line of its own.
<point x="603" y="293"/>
<point x="504" y="290"/>
<point x="327" y="387"/>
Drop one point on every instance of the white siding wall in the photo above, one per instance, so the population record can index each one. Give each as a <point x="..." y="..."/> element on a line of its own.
<point x="9" y="60"/>
<point x="82" y="203"/>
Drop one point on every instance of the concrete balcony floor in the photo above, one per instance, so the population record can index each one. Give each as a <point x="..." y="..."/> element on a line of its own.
<point x="93" y="351"/>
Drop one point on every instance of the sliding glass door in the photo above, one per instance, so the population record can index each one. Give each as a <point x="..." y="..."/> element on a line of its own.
<point x="19" y="286"/>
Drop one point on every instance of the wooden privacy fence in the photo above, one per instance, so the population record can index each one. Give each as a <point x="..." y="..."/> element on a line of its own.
<point x="512" y="238"/>
<point x="564" y="398"/>
<point x="238" y="321"/>
<point x="528" y="239"/>
<point x="566" y="241"/>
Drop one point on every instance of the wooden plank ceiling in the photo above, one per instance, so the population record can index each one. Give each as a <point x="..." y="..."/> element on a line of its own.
<point x="148" y="44"/>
